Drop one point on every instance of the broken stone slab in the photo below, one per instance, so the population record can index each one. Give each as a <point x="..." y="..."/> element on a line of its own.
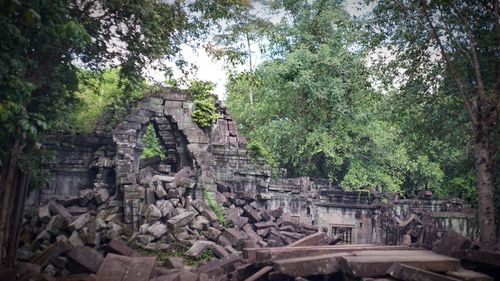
<point x="315" y="239"/>
<point x="293" y="235"/>
<point x="174" y="262"/>
<point x="101" y="196"/>
<point x="219" y="267"/>
<point x="121" y="268"/>
<point x="198" y="248"/>
<point x="119" y="247"/>
<point x="483" y="259"/>
<point x="55" y="224"/>
<point x="152" y="213"/>
<point x="80" y="277"/>
<point x="253" y="214"/>
<point x="75" y="240"/>
<point x="210" y="215"/>
<point x="200" y="223"/>
<point x="213" y="234"/>
<point x="58" y="209"/>
<point x="77" y="211"/>
<point x="44" y="214"/>
<point x="199" y="206"/>
<point x="80" y="222"/>
<point x="84" y="259"/>
<point x="219" y="251"/>
<point x="157" y="230"/>
<point x="247" y="228"/>
<point x="451" y="242"/>
<point x="469" y="275"/>
<point x="51" y="252"/>
<point x="265" y="224"/>
<point x="149" y="161"/>
<point x="368" y="265"/>
<point x="180" y="220"/>
<point x="307" y="266"/>
<point x="410" y="273"/>
<point x="234" y="236"/>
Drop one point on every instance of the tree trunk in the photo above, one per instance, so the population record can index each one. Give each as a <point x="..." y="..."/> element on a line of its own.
<point x="13" y="191"/>
<point x="484" y="179"/>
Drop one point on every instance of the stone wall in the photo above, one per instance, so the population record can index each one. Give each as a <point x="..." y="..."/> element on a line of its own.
<point x="214" y="159"/>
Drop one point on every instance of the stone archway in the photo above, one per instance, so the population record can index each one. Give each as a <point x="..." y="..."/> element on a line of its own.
<point x="170" y="114"/>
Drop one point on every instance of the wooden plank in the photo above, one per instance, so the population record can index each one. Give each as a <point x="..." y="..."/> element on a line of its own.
<point x="377" y="265"/>
<point x="410" y="273"/>
<point x="113" y="268"/>
<point x="140" y="269"/>
<point x="260" y="273"/>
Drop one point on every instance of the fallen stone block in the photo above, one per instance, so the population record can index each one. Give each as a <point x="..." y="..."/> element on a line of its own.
<point x="410" y="273"/>
<point x="378" y="262"/>
<point x="234" y="236"/>
<point x="483" y="259"/>
<point x="157" y="230"/>
<point x="84" y="259"/>
<point x="55" y="224"/>
<point x="315" y="239"/>
<point x="80" y="222"/>
<point x="265" y="224"/>
<point x="121" y="268"/>
<point x="213" y="233"/>
<point x="101" y="196"/>
<point x="44" y="214"/>
<point x="119" y="247"/>
<point x="51" y="252"/>
<point x="58" y="209"/>
<point x="219" y="267"/>
<point x="198" y="248"/>
<point x="174" y="262"/>
<point x="80" y="277"/>
<point x="469" y="275"/>
<point x="451" y="242"/>
<point x="200" y="223"/>
<point x="180" y="220"/>
<point x="253" y="215"/>
<point x="75" y="240"/>
<point x="307" y="266"/>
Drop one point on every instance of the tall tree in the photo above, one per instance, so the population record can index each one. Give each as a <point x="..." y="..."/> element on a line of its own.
<point x="452" y="44"/>
<point x="42" y="41"/>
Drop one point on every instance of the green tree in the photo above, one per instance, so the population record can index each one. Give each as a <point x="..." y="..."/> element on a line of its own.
<point x="451" y="46"/>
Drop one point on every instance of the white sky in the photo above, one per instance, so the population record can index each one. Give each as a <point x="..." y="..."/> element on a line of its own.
<point x="215" y="71"/>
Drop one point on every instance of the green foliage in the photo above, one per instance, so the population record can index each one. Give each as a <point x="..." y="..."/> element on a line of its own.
<point x="178" y="250"/>
<point x="151" y="144"/>
<point x="214" y="206"/>
<point x="205" y="111"/>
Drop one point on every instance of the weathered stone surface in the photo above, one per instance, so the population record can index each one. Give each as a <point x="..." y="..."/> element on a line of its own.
<point x="51" y="252"/>
<point x="313" y="265"/>
<point x="200" y="223"/>
<point x="180" y="220"/>
<point x="451" y="242"/>
<point x="157" y="230"/>
<point x="253" y="215"/>
<point x="44" y="213"/>
<point x="101" y="196"/>
<point x="80" y="222"/>
<point x="235" y="236"/>
<point x="198" y="248"/>
<point x="479" y="258"/>
<point x="213" y="234"/>
<point x="174" y="262"/>
<point x="469" y="275"/>
<point x="265" y="224"/>
<point x="85" y="259"/>
<point x="58" y="209"/>
<point x="410" y="273"/>
<point x="319" y="238"/>
<point x="376" y="263"/>
<point x="119" y="247"/>
<point x="152" y="213"/>
<point x="75" y="240"/>
<point x="121" y="268"/>
<point x="220" y="266"/>
<point x="55" y="224"/>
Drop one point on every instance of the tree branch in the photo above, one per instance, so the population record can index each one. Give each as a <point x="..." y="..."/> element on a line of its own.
<point x="449" y="64"/>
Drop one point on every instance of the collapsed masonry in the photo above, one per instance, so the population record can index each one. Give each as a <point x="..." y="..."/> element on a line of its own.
<point x="101" y="191"/>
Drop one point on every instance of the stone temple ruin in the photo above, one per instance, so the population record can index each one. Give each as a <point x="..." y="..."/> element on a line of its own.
<point x="100" y="193"/>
